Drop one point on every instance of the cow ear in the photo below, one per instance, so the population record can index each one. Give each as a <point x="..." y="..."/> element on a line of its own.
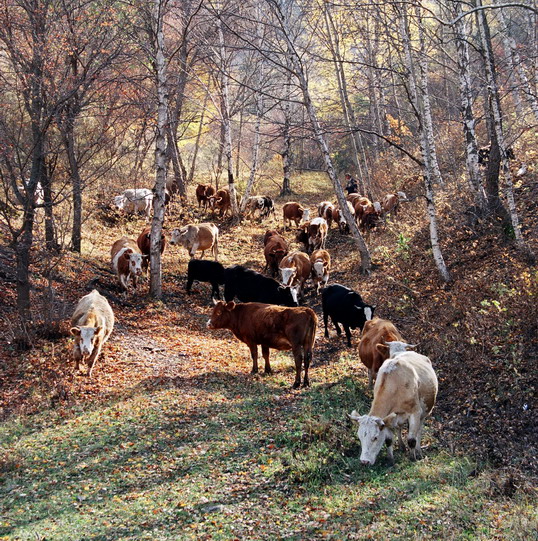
<point x="354" y="416"/>
<point x="382" y="347"/>
<point x="75" y="331"/>
<point x="381" y="422"/>
<point x="390" y="420"/>
<point x="230" y="305"/>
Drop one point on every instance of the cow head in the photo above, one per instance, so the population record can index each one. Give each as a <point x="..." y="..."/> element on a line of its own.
<point x="220" y="317"/>
<point x="319" y="268"/>
<point x="288" y="274"/>
<point x="119" y="202"/>
<point x="135" y="262"/>
<point x="394" y="347"/>
<point x="372" y="433"/>
<point x="361" y="314"/>
<point x="180" y="236"/>
<point x="306" y="215"/>
<point x="84" y="338"/>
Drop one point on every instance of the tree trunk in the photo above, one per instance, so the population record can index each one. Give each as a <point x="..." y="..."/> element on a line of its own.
<point x="303" y="84"/>
<point x="226" y="120"/>
<point x="496" y="113"/>
<point x="197" y="141"/>
<point x="51" y="242"/>
<point x="466" y="108"/>
<point x="160" y="151"/>
<point x="286" y="152"/>
<point x="417" y="100"/>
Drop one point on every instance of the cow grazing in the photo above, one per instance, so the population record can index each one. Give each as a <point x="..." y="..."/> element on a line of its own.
<point x="270" y="326"/>
<point x="321" y="265"/>
<point x="405" y="391"/>
<point x="268" y="207"/>
<point x="221" y="201"/>
<point x="326" y="210"/>
<point x="135" y="201"/>
<point x="203" y="193"/>
<point x="127" y="261"/>
<point x="275" y="249"/>
<point x="195" y="237"/>
<point x="203" y="270"/>
<point x="251" y="286"/>
<point x="91" y="325"/>
<point x="144" y="242"/>
<point x="295" y="269"/>
<point x="345" y="306"/>
<point x="294" y="212"/>
<point x="391" y="203"/>
<point x="375" y="333"/>
<point x="340" y="219"/>
<point x="262" y="203"/>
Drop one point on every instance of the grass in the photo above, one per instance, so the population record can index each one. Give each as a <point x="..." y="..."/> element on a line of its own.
<point x="237" y="459"/>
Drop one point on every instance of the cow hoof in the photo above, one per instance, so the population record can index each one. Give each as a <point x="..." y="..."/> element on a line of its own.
<point x="296" y="385"/>
<point x="268" y="372"/>
<point x="306" y="384"/>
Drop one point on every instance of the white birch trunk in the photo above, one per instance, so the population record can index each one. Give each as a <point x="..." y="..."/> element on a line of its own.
<point x="303" y="84"/>
<point x="417" y="103"/>
<point x="160" y="151"/>
<point x="255" y="154"/>
<point x="497" y="124"/>
<point x="226" y="121"/>
<point x="516" y="65"/>
<point x="466" y="108"/>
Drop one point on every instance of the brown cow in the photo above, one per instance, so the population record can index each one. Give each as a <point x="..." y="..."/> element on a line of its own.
<point x="313" y="234"/>
<point x="221" y="200"/>
<point x="203" y="193"/>
<point x="126" y="261"/>
<point x="321" y="265"/>
<point x="275" y="249"/>
<point x="197" y="237"/>
<point x="326" y="210"/>
<point x="144" y="241"/>
<point x="376" y="332"/>
<point x="294" y="211"/>
<point x="390" y="203"/>
<point x="270" y="326"/>
<point x="339" y="218"/>
<point x="295" y="269"/>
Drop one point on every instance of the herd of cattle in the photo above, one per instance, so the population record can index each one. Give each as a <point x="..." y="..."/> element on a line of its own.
<point x="269" y="314"/>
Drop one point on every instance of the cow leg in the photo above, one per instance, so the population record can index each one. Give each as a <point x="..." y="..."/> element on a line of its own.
<point x="298" y="356"/>
<point x="189" y="284"/>
<point x="265" y="353"/>
<point x="215" y="292"/>
<point x="254" y="354"/>
<point x="307" y="359"/>
<point x="124" y="281"/>
<point x="193" y="249"/>
<point x="390" y="450"/>
<point x="78" y="357"/>
<point x="325" y="323"/>
<point x="93" y="357"/>
<point x="348" y="335"/>
<point x="370" y="378"/>
<point x="338" y="329"/>
<point x="413" y="437"/>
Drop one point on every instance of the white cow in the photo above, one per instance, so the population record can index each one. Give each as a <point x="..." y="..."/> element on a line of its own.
<point x="196" y="237"/>
<point x="92" y="324"/>
<point x="134" y="201"/>
<point x="405" y="391"/>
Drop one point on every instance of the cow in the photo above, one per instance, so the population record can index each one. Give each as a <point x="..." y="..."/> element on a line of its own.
<point x="295" y="270"/>
<point x="270" y="326"/>
<point x="134" y="201"/>
<point x="251" y="286"/>
<point x="203" y="270"/>
<point x="321" y="265"/>
<point x="263" y="203"/>
<point x="126" y="261"/>
<point x="391" y="202"/>
<point x="91" y="325"/>
<point x="375" y="332"/>
<point x="195" y="237"/>
<point x="317" y="234"/>
<point x="344" y="306"/>
<point x="203" y="193"/>
<point x="275" y="248"/>
<point x="352" y="197"/>
<point x="144" y="241"/>
<point x="221" y="201"/>
<point x="326" y="210"/>
<point x="405" y="391"/>
<point x="292" y="211"/>
<point x="340" y="219"/>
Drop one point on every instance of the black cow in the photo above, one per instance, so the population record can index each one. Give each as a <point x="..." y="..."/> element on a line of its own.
<point x="344" y="306"/>
<point x="268" y="207"/>
<point x="251" y="286"/>
<point x="203" y="270"/>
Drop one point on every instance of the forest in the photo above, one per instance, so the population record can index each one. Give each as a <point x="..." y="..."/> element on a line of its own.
<point x="148" y="149"/>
